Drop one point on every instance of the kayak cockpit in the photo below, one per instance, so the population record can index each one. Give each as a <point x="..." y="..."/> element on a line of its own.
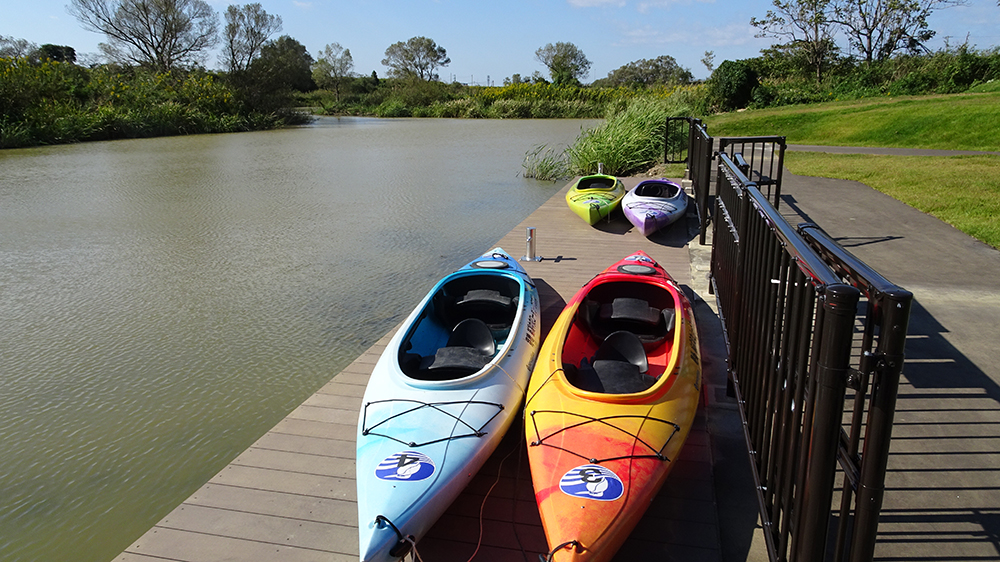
<point x="620" y="344"/>
<point x="652" y="188"/>
<point x="461" y="328"/>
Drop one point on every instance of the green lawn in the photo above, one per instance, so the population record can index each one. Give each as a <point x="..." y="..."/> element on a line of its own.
<point x="955" y="122"/>
<point x="963" y="191"/>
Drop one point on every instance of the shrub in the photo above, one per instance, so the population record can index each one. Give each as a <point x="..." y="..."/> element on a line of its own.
<point x="731" y="85"/>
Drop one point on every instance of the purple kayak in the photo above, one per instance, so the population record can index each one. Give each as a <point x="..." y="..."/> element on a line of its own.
<point x="654" y="204"/>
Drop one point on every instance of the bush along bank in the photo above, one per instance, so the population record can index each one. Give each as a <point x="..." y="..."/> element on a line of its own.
<point x="56" y="102"/>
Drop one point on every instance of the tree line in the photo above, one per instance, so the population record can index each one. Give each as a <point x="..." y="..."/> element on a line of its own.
<point x="263" y="78"/>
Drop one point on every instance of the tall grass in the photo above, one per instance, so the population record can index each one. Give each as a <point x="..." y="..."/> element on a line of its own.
<point x="544" y="163"/>
<point x="630" y="139"/>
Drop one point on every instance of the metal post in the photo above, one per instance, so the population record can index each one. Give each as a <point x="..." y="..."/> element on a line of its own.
<point x="830" y="384"/>
<point x="530" y="246"/>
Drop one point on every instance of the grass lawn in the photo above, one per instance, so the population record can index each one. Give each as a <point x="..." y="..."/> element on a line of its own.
<point x="950" y="122"/>
<point x="963" y="191"/>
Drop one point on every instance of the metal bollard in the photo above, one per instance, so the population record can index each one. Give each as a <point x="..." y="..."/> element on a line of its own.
<point x="530" y="250"/>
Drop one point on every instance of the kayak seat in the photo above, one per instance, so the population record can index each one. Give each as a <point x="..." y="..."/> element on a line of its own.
<point x="630" y="310"/>
<point x="652" y="325"/>
<point x="619" y="367"/>
<point x="473" y="333"/>
<point x="623" y="347"/>
<point x="490" y="298"/>
<point x="470" y="347"/>
<point x="650" y="190"/>
<point x="488" y="305"/>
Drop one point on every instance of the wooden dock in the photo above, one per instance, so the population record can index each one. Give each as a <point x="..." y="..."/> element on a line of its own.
<point x="291" y="496"/>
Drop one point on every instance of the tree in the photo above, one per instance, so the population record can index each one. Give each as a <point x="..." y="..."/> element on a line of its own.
<point x="418" y="57"/>
<point x="14" y="48"/>
<point x="160" y="34"/>
<point x="806" y="25"/>
<point x="731" y="85"/>
<point x="286" y="63"/>
<point x="247" y="29"/>
<point x="332" y="67"/>
<point x="566" y="62"/>
<point x="267" y="86"/>
<point x="880" y="28"/>
<point x="647" y="72"/>
<point x="709" y="60"/>
<point x="58" y="53"/>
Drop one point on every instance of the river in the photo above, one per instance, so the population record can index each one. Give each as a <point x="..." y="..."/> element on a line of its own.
<point x="164" y="302"/>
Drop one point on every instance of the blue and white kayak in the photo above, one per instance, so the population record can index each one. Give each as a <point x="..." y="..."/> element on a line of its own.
<point x="654" y="204"/>
<point x="440" y="398"/>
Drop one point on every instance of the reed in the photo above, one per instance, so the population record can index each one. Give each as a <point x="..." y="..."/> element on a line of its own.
<point x="544" y="163"/>
<point x="630" y="139"/>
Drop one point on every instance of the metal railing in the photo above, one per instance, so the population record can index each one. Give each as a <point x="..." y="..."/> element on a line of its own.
<point x="700" y="155"/>
<point x="764" y="158"/>
<point x="879" y="357"/>
<point x="676" y="139"/>
<point x="789" y="301"/>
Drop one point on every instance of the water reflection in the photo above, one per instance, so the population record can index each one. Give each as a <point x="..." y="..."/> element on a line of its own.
<point x="166" y="301"/>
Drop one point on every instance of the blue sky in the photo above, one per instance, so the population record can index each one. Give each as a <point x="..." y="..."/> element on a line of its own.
<point x="497" y="39"/>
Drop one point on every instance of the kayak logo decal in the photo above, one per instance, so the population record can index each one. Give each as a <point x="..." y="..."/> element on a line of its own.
<point x="639" y="258"/>
<point x="592" y="482"/>
<point x="407" y="465"/>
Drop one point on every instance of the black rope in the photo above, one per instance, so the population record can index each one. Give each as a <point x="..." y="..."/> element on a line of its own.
<point x="474" y="432"/>
<point x="551" y="553"/>
<point x="657" y="453"/>
<point x="403" y="545"/>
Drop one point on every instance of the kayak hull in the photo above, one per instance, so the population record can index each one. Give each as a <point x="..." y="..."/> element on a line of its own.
<point x="654" y="204"/>
<point x="594" y="197"/>
<point x="434" y="411"/>
<point x="599" y="454"/>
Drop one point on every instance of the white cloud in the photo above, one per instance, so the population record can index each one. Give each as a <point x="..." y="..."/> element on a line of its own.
<point x="733" y="34"/>
<point x="303" y="5"/>
<point x="596" y="3"/>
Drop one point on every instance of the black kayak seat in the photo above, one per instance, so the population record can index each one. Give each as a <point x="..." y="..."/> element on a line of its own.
<point x="597" y="183"/>
<point x="484" y="297"/>
<point x="470" y="347"/>
<point x="475" y="334"/>
<point x="619" y="367"/>
<point x="623" y="346"/>
<point x="630" y="309"/>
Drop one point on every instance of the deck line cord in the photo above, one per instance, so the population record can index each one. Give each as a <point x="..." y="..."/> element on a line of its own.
<point x="551" y="553"/>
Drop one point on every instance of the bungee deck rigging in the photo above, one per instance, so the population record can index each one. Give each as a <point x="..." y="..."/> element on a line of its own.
<point x="655" y="453"/>
<point x="475" y="432"/>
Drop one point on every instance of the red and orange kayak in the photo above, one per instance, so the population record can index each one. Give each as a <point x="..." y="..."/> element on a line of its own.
<point x="610" y="403"/>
